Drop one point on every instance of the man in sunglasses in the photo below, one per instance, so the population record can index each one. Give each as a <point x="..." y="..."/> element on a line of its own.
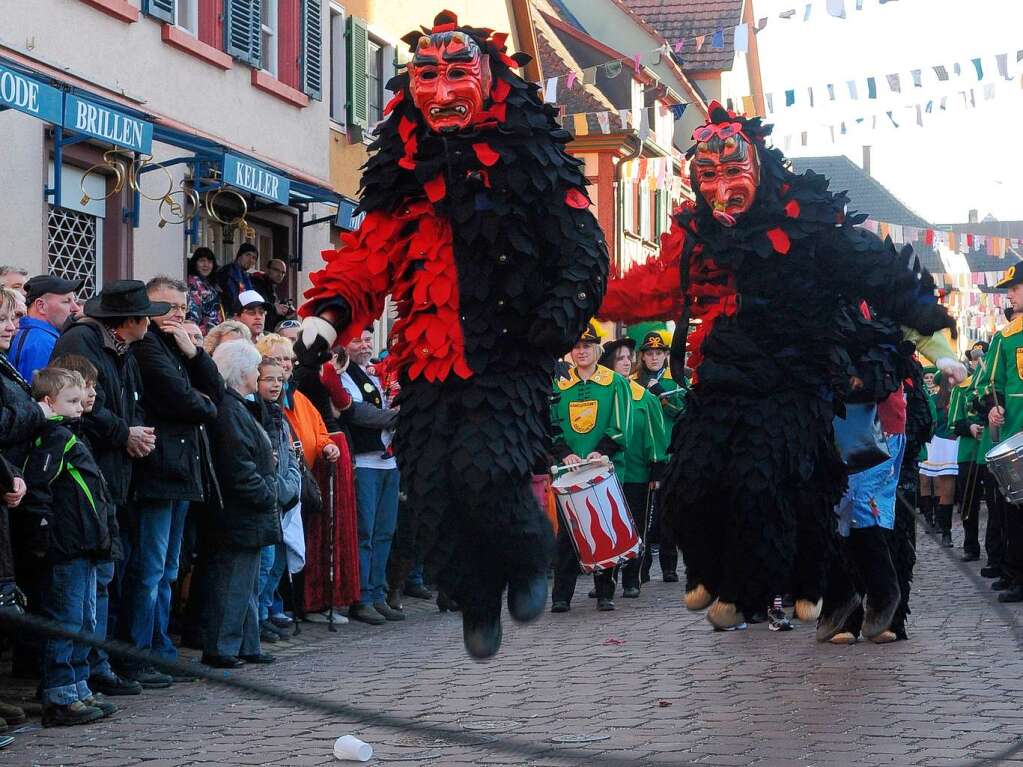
<point x="769" y="263"/>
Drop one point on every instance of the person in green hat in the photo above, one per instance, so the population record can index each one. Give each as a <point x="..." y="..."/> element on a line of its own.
<point x="999" y="389"/>
<point x="644" y="456"/>
<point x="939" y="469"/>
<point x="974" y="480"/>
<point x="592" y="420"/>
<point x="654" y="375"/>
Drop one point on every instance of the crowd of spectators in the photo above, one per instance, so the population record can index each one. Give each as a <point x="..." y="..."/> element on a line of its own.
<point x="172" y="475"/>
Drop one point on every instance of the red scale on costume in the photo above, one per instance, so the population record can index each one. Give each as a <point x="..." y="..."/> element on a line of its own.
<point x="419" y="270"/>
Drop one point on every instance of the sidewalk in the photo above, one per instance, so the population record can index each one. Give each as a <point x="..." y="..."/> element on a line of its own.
<point x="649" y="684"/>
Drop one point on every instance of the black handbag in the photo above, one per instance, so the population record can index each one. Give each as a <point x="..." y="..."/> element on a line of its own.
<point x="859" y="437"/>
<point x="312" y="498"/>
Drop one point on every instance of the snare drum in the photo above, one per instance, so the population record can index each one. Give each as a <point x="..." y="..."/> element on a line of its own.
<point x="1005" y="462"/>
<point x="594" y="511"/>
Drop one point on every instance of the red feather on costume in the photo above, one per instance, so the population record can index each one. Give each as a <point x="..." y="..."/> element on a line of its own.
<point x="427" y="340"/>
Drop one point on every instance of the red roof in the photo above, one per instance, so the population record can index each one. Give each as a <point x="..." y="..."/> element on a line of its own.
<point x="686" y="19"/>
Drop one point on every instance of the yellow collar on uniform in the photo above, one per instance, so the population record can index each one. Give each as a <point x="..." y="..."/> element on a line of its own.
<point x="1013" y="327"/>
<point x="967" y="383"/>
<point x="637" y="391"/>
<point x="602" y="376"/>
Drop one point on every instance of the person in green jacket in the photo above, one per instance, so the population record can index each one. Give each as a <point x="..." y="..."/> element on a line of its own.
<point x="1000" y="393"/>
<point x="973" y="477"/>
<point x="592" y="420"/>
<point x="644" y="456"/>
<point x="654" y="374"/>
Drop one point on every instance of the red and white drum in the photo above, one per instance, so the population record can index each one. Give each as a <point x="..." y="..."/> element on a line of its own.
<point x="593" y="507"/>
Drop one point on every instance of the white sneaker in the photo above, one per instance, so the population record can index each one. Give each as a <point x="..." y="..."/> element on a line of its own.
<point x="323" y="617"/>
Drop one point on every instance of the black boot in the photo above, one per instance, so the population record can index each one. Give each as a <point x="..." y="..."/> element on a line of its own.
<point x="481" y="634"/>
<point x="527" y="597"/>
<point x="872" y="558"/>
<point x="943" y="521"/>
<point x="927" y="510"/>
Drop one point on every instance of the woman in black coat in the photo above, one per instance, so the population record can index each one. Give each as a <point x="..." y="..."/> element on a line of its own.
<point x="20" y="420"/>
<point x="244" y="462"/>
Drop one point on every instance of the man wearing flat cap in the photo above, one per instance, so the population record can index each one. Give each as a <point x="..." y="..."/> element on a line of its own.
<point x="999" y="389"/>
<point x="51" y="302"/>
<point x="115" y="319"/>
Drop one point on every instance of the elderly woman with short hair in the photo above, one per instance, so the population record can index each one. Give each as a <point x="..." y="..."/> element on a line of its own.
<point x="244" y="461"/>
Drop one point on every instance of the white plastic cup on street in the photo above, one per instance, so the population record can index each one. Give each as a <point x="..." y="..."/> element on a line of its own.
<point x="349" y="748"/>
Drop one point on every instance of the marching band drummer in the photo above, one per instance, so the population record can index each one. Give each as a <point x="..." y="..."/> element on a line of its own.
<point x="644" y="455"/>
<point x="594" y="416"/>
<point x="1000" y="391"/>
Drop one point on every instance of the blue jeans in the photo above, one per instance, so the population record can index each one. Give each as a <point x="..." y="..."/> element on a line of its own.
<point x="376" y="496"/>
<point x="152" y="568"/>
<point x="272" y="560"/>
<point x="415" y="578"/>
<point x="68" y="598"/>
<point x="232" y="616"/>
<point x="99" y="661"/>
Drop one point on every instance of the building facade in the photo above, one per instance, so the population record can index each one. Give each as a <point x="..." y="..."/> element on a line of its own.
<point x="137" y="130"/>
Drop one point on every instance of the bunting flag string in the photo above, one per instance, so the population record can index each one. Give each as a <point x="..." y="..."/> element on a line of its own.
<point x="960" y="243"/>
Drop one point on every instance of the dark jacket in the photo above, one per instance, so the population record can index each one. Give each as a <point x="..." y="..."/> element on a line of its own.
<point x="232" y="280"/>
<point x="118" y="391"/>
<point x="20" y="416"/>
<point x="244" y="462"/>
<point x="67" y="495"/>
<point x="365" y="420"/>
<point x="180" y="401"/>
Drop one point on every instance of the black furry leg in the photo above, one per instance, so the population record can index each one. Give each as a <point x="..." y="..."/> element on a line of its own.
<point x="902" y="544"/>
<point x="868" y="549"/>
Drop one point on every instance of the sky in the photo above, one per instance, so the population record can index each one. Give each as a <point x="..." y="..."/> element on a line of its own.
<point x="962" y="158"/>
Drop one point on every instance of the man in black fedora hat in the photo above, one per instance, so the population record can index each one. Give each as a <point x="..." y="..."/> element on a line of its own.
<point x="115" y="319"/>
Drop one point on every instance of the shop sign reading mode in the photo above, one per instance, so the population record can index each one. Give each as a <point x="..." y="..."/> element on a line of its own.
<point x="28" y="95"/>
<point x="107" y="124"/>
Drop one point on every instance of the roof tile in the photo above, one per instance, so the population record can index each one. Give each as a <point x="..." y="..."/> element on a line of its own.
<point x="686" y="19"/>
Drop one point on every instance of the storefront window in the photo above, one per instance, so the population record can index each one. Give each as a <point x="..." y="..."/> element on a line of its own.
<point x="74" y="247"/>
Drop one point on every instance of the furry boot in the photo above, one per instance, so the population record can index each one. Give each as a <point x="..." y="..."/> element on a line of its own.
<point x="872" y="559"/>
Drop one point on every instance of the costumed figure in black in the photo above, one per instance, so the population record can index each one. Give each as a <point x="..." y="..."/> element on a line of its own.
<point x="768" y="261"/>
<point x="478" y="226"/>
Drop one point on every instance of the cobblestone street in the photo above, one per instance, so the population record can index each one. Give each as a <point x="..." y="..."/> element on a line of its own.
<point x="649" y="684"/>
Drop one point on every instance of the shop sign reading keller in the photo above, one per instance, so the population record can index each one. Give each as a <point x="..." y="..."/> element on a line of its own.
<point x="247" y="175"/>
<point x="28" y="95"/>
<point x="107" y="124"/>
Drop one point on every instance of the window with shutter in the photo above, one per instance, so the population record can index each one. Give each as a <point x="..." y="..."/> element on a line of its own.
<point x="312" y="48"/>
<point x="357" y="106"/>
<point x="338" y="69"/>
<point x="160" y="9"/>
<point x="243" y="30"/>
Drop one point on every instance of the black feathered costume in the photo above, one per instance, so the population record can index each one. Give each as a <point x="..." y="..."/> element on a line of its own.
<point x="484" y="240"/>
<point x="754" y="472"/>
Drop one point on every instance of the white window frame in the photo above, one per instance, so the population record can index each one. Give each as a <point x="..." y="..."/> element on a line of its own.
<point x="628" y="205"/>
<point x="387" y="71"/>
<point x="268" y="37"/>
<point x="338" y="68"/>
<point x="186" y="16"/>
<point x="644" y="210"/>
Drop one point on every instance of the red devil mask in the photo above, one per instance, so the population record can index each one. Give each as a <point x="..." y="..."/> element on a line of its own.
<point x="449" y="78"/>
<point x="726" y="170"/>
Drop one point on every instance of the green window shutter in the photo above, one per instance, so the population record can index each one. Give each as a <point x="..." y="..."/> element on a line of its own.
<point x="160" y="9"/>
<point x="242" y="30"/>
<point x="312" y="49"/>
<point x="357" y="107"/>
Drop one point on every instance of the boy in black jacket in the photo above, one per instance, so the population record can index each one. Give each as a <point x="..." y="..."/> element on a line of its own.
<point x="70" y="501"/>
